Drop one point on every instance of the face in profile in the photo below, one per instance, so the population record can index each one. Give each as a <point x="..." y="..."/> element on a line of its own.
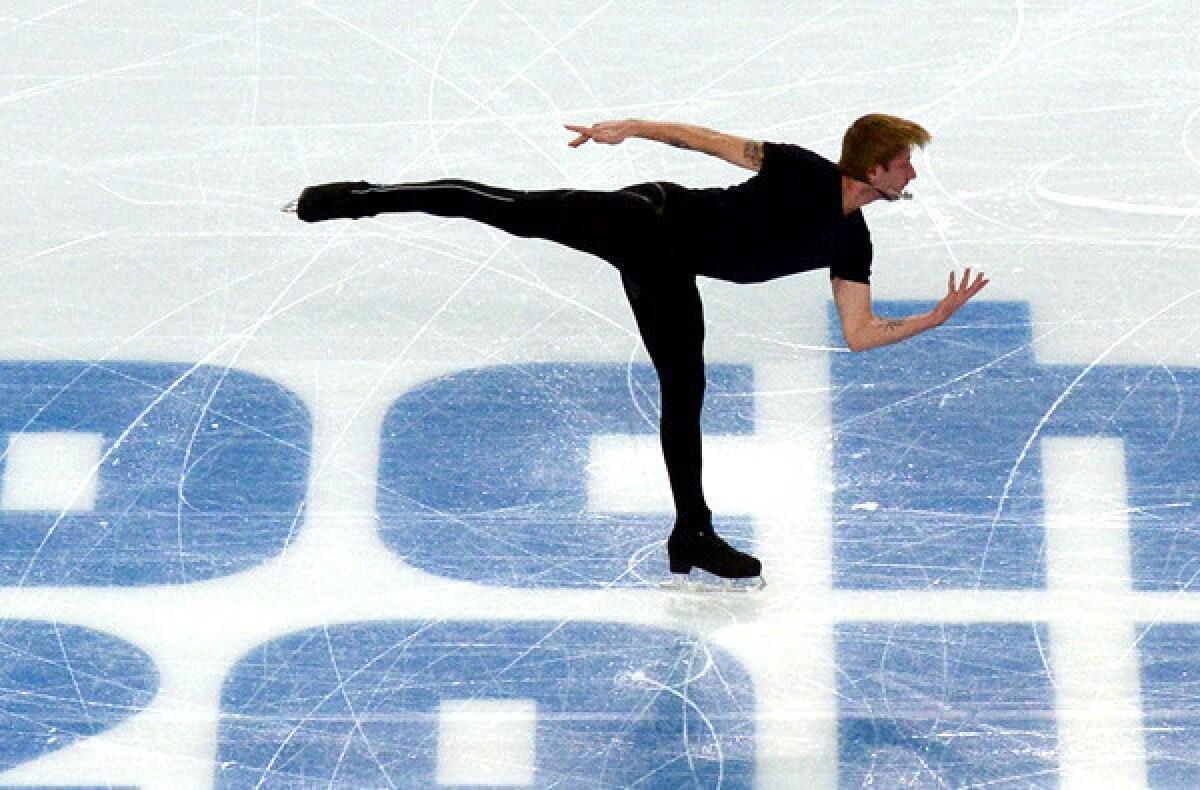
<point x="892" y="177"/>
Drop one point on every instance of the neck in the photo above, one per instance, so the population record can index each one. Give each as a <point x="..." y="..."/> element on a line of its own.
<point x="856" y="194"/>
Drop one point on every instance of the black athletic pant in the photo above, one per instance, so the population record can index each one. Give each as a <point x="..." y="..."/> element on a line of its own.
<point x="625" y="228"/>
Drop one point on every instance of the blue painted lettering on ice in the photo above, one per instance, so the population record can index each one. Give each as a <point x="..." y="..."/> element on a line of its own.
<point x="1170" y="675"/>
<point x="937" y="464"/>
<point x="61" y="683"/>
<point x="945" y="706"/>
<point x="484" y="473"/>
<point x="616" y="705"/>
<point x="203" y="472"/>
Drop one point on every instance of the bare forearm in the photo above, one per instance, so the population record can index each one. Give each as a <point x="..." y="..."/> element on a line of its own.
<point x="885" y="331"/>
<point x="864" y="330"/>
<point x="680" y="135"/>
<point x="736" y="150"/>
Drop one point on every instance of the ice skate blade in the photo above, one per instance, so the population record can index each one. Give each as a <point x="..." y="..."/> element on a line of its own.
<point x="681" y="582"/>
<point x="290" y="208"/>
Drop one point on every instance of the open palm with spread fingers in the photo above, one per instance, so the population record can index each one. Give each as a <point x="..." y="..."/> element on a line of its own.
<point x="958" y="294"/>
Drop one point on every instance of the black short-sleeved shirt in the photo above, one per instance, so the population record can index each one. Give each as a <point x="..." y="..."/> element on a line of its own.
<point x="786" y="219"/>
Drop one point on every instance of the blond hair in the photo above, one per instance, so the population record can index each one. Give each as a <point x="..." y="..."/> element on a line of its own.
<point x="876" y="140"/>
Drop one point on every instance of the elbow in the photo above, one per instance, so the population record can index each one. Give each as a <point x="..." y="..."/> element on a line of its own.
<point x="858" y="339"/>
<point x="860" y="331"/>
<point x="863" y="335"/>
<point x="865" y="342"/>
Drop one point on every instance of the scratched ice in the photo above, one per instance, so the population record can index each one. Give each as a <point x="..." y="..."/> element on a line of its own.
<point x="378" y="504"/>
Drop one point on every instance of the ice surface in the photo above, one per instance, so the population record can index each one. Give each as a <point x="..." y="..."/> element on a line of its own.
<point x="347" y="475"/>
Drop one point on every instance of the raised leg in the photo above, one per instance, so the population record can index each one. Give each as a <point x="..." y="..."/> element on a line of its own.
<point x="619" y="226"/>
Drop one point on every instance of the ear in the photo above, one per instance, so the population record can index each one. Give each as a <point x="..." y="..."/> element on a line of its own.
<point x="874" y="172"/>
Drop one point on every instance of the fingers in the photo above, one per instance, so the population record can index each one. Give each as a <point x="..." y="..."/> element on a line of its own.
<point x="960" y="291"/>
<point x="584" y="133"/>
<point x="962" y="288"/>
<point x="975" y="286"/>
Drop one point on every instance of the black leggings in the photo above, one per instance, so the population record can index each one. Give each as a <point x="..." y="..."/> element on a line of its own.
<point x="625" y="228"/>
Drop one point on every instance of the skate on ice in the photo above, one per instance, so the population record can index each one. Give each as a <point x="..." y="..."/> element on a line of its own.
<point x="726" y="568"/>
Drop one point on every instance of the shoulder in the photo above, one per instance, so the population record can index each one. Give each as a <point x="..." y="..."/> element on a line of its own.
<point x="856" y="236"/>
<point x="857" y="224"/>
<point x="787" y="155"/>
<point x="853" y="252"/>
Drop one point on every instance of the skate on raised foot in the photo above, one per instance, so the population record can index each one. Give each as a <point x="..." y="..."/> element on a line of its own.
<point x="338" y="200"/>
<point x="736" y="571"/>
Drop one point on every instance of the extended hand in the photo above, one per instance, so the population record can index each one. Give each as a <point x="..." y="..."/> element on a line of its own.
<point x="609" y="132"/>
<point x="958" y="295"/>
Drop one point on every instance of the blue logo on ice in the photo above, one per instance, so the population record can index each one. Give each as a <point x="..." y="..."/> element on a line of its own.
<point x="608" y="706"/>
<point x="939" y="483"/>
<point x="484" y="473"/>
<point x="200" y="472"/>
<point x="909" y="694"/>
<point x="63" y="683"/>
<point x="1170" y="665"/>
<point x="938" y="471"/>
<point x="937" y="468"/>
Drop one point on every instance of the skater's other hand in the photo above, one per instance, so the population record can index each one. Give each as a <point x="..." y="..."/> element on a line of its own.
<point x="958" y="294"/>
<point x="607" y="132"/>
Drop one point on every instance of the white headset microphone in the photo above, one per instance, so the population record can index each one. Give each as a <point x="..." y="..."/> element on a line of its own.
<point x="889" y="196"/>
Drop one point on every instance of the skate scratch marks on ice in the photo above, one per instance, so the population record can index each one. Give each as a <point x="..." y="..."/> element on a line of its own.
<point x="1037" y="430"/>
<point x="1086" y="201"/>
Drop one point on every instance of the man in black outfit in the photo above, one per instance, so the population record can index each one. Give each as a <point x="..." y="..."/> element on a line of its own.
<point x="799" y="212"/>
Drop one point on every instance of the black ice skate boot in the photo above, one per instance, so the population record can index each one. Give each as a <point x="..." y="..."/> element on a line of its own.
<point x="689" y="548"/>
<point x="339" y="200"/>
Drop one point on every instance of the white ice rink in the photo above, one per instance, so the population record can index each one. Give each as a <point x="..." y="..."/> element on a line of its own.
<point x="378" y="504"/>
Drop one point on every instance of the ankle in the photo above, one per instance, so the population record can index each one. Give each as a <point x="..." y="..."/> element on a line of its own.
<point x="693" y="524"/>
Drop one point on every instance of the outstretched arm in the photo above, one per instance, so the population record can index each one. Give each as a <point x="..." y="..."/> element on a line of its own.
<point x="864" y="330"/>
<point x="735" y="150"/>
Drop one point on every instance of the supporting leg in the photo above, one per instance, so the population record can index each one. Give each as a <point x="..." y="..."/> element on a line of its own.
<point x="670" y="318"/>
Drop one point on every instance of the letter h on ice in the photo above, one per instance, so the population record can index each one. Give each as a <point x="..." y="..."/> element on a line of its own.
<point x="962" y="464"/>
